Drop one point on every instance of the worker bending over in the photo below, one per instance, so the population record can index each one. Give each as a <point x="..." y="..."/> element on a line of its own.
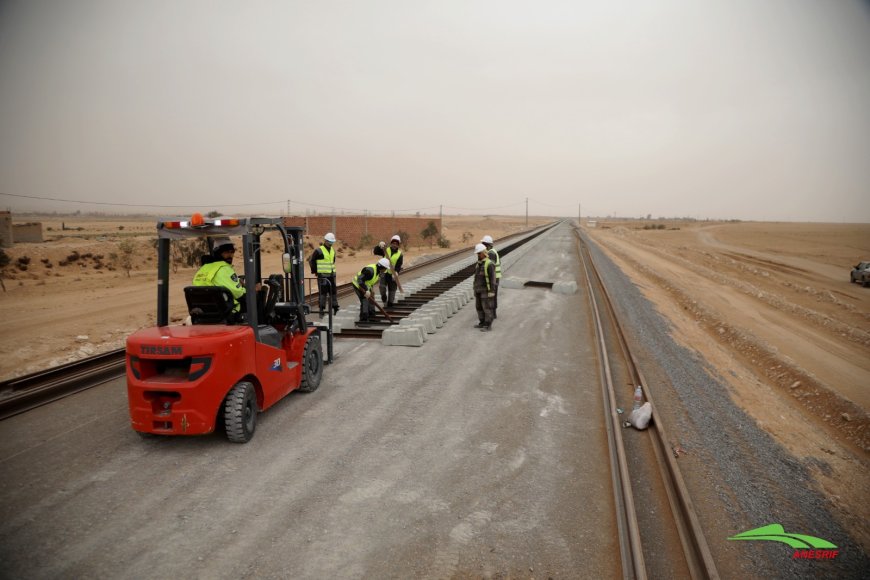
<point x="363" y="282"/>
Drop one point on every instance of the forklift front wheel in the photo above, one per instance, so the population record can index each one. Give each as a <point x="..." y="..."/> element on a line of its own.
<point x="312" y="365"/>
<point x="240" y="412"/>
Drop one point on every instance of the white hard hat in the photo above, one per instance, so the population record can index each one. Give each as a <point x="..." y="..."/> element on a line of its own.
<point x="221" y="243"/>
<point x="486" y="239"/>
<point x="479" y="248"/>
<point x="330" y="237"/>
<point x="384" y="262"/>
<point x="396" y="239"/>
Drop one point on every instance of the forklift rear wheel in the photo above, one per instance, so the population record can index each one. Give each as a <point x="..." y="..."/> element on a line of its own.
<point x="312" y="365"/>
<point x="240" y="412"/>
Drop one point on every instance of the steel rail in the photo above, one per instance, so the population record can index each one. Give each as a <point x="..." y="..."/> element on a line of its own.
<point x="699" y="558"/>
<point x="29" y="391"/>
<point x="36" y="389"/>
<point x="628" y="530"/>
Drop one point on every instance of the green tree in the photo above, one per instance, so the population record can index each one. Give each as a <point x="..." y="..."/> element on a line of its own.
<point x="430" y="233"/>
<point x="213" y="214"/>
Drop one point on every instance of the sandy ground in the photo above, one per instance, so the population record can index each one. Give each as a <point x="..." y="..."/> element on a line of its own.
<point x="62" y="308"/>
<point x="771" y="308"/>
<point x="357" y="469"/>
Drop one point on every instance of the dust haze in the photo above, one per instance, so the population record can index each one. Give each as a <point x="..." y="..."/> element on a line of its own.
<point x="721" y="109"/>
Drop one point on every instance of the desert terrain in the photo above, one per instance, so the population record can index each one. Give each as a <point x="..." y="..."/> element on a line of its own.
<point x="768" y="307"/>
<point x="771" y="309"/>
<point x="92" y="282"/>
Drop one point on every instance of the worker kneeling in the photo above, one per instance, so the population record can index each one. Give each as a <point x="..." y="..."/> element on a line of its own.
<point x="363" y="282"/>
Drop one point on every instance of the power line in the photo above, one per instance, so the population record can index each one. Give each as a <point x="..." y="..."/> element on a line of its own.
<point x="282" y="202"/>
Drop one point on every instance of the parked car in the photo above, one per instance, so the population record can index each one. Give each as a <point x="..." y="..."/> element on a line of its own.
<point x="861" y="274"/>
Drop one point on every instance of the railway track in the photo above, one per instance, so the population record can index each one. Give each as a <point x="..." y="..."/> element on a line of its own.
<point x="625" y="373"/>
<point x="618" y="369"/>
<point x="36" y="389"/>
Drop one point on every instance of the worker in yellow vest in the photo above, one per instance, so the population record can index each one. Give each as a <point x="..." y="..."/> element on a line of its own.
<point x="484" y="287"/>
<point x="388" y="280"/>
<point x="322" y="264"/>
<point x="493" y="255"/>
<point x="219" y="271"/>
<point x="363" y="282"/>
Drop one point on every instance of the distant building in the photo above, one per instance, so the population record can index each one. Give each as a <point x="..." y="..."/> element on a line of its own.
<point x="591" y="223"/>
<point x="11" y="233"/>
<point x="27" y="232"/>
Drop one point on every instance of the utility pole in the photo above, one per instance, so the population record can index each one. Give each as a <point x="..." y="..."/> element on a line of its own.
<point x="333" y="220"/>
<point x="441" y="216"/>
<point x="288" y="207"/>
<point x="579" y="212"/>
<point x="366" y="221"/>
<point x="527" y="213"/>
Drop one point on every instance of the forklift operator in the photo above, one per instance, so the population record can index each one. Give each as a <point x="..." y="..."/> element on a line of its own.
<point x="219" y="271"/>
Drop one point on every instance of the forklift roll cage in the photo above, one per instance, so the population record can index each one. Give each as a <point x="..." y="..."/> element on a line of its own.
<point x="250" y="229"/>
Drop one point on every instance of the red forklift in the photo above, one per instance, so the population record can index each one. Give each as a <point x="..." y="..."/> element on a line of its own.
<point x="224" y="367"/>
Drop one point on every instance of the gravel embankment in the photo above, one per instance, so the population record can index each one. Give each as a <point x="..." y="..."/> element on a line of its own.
<point x="739" y="477"/>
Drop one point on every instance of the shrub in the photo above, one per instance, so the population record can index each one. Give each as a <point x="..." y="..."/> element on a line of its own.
<point x="186" y="252"/>
<point x="73" y="257"/>
<point x="125" y="258"/>
<point x="430" y="233"/>
<point x="23" y="261"/>
<point x="443" y="242"/>
<point x="364" y="241"/>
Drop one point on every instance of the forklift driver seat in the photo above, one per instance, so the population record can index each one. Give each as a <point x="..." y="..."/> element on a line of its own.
<point x="209" y="305"/>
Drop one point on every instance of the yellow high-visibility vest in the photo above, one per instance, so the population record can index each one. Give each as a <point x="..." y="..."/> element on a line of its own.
<point x="326" y="265"/>
<point x="368" y="283"/>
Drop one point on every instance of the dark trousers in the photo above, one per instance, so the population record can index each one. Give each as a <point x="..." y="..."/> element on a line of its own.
<point x="366" y="309"/>
<point x="388" y="289"/>
<point x="325" y="287"/>
<point x="483" y="304"/>
<point x="495" y="298"/>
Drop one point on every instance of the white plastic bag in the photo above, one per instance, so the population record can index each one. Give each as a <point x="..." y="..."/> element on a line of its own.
<point x="641" y="416"/>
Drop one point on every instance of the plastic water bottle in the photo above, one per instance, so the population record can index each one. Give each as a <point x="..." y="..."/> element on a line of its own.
<point x="638" y="397"/>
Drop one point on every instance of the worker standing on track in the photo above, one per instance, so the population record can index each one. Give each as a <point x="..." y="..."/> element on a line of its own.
<point x="484" y="288"/>
<point x="219" y="271"/>
<point x="322" y="264"/>
<point x="388" y="282"/>
<point x="363" y="282"/>
<point x="493" y="255"/>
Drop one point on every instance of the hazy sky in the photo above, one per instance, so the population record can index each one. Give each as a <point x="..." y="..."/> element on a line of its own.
<point x="747" y="109"/>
